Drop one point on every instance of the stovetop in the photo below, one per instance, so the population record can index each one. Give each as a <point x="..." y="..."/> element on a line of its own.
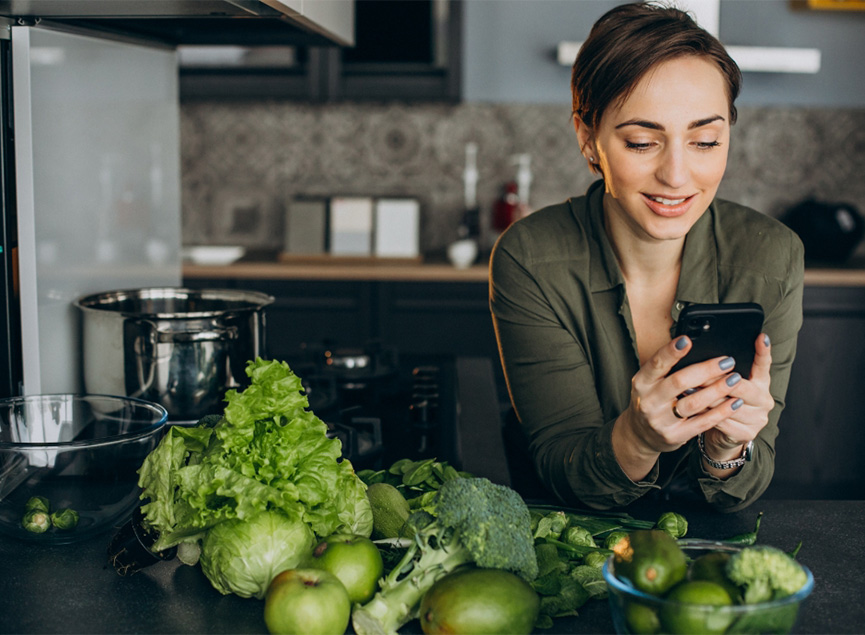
<point x="383" y="406"/>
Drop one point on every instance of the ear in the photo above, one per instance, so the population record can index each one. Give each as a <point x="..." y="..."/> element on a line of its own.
<point x="585" y="138"/>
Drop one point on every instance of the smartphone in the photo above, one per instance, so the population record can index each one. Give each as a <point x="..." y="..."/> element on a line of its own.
<point x="718" y="330"/>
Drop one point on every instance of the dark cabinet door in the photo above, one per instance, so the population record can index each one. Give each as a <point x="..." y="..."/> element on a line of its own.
<point x="406" y="50"/>
<point x="314" y="312"/>
<point x="451" y="318"/>
<point x="821" y="442"/>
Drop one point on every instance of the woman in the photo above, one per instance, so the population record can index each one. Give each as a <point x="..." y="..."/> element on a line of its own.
<point x="585" y="294"/>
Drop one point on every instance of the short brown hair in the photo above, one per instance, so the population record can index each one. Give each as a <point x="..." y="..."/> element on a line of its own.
<point x="629" y="40"/>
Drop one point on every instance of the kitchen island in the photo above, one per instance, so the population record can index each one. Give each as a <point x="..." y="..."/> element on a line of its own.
<point x="73" y="589"/>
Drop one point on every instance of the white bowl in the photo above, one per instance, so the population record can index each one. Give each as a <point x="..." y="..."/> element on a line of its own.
<point x="213" y="254"/>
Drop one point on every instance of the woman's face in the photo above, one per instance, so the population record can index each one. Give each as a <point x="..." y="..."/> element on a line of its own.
<point x="663" y="151"/>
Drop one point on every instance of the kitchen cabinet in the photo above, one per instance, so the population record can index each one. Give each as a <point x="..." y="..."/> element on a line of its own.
<point x="822" y="439"/>
<point x="408" y="50"/>
<point x="418" y="318"/>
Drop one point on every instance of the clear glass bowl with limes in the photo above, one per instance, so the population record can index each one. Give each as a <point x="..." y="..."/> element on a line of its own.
<point x="693" y="606"/>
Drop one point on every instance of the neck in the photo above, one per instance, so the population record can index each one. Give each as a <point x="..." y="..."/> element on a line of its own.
<point x="641" y="257"/>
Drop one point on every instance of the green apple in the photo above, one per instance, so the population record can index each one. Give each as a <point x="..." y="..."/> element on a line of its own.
<point x="355" y="560"/>
<point x="306" y="602"/>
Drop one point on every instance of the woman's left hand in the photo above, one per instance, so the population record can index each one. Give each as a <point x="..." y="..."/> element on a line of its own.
<point x="726" y="440"/>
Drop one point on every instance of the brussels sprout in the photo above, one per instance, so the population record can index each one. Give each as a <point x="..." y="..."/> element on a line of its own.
<point x="65" y="519"/>
<point x="595" y="559"/>
<point x="36" y="521"/>
<point x="578" y="536"/>
<point x="673" y="523"/>
<point x="613" y="539"/>
<point x="36" y="503"/>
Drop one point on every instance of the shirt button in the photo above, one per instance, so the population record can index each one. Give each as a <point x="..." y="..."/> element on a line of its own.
<point x="680" y="306"/>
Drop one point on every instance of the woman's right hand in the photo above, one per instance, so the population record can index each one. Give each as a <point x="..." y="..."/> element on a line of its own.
<point x="658" y="418"/>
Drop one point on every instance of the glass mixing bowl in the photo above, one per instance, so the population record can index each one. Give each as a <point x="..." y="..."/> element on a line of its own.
<point x="72" y="452"/>
<point x="637" y="612"/>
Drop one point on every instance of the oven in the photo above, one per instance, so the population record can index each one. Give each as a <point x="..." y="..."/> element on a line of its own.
<point x="385" y="406"/>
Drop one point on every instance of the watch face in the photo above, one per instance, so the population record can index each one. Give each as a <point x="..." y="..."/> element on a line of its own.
<point x="749" y="450"/>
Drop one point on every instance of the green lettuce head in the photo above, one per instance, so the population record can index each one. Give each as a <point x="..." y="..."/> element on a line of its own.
<point x="267" y="453"/>
<point x="243" y="556"/>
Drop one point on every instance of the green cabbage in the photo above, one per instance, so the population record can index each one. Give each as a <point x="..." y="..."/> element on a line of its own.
<point x="243" y="556"/>
<point x="268" y="452"/>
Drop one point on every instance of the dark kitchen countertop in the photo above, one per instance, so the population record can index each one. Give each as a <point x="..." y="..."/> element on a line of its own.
<point x="72" y="589"/>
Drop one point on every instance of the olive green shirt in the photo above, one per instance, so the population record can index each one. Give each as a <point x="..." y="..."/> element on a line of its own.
<point x="569" y="352"/>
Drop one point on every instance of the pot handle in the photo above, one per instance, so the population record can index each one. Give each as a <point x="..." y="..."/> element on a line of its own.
<point x="212" y="335"/>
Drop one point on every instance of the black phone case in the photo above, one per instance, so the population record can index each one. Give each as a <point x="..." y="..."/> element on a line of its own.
<point x="718" y="330"/>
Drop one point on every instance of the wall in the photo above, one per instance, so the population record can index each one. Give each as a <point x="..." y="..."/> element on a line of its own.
<point x="510" y="49"/>
<point x="797" y="135"/>
<point x="243" y="163"/>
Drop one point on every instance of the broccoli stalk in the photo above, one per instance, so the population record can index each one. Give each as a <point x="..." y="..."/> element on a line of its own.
<point x="476" y="522"/>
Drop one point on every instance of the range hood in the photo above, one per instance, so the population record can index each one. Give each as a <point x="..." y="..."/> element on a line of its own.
<point x="174" y="22"/>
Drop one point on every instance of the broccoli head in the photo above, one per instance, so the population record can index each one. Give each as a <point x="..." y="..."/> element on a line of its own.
<point x="765" y="573"/>
<point x="475" y="522"/>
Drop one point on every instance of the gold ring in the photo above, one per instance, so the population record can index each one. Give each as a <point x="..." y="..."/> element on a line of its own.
<point x="676" y="412"/>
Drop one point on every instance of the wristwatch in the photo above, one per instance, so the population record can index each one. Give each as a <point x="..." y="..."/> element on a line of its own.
<point x="726" y="465"/>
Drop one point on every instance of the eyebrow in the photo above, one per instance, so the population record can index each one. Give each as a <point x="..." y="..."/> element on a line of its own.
<point x="656" y="126"/>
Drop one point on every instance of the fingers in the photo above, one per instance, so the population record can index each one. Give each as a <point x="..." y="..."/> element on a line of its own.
<point x="662" y="362"/>
<point x="762" y="359"/>
<point x="711" y="396"/>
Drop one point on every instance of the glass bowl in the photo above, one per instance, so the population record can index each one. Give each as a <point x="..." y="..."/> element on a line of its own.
<point x="74" y="452"/>
<point x="634" y="611"/>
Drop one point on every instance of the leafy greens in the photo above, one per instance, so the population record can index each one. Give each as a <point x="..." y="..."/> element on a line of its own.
<point x="268" y="452"/>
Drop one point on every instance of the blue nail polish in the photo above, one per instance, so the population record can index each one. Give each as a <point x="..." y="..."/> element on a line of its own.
<point x="681" y="343"/>
<point x="766" y="340"/>
<point x="733" y="379"/>
<point x="727" y="363"/>
<point x="737" y="404"/>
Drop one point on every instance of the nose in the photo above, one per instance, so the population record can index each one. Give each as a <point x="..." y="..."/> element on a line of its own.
<point x="672" y="169"/>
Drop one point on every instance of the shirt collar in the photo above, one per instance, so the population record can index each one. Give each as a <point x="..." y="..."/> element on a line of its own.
<point x="698" y="280"/>
<point x="605" y="273"/>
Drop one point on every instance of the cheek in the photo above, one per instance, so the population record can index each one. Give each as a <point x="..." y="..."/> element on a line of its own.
<point x="623" y="174"/>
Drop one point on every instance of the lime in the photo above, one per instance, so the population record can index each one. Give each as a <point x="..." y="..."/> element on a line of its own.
<point x="695" y="606"/>
<point x="641" y="619"/>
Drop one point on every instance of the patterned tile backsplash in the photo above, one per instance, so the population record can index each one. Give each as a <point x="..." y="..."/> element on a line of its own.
<point x="243" y="163"/>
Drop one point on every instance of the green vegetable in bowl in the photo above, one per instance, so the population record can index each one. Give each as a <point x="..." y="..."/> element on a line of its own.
<point x="475" y="521"/>
<point x="65" y="519"/>
<point x="37" y="503"/>
<point x="766" y="573"/>
<point x="36" y="521"/>
<point x="243" y="556"/>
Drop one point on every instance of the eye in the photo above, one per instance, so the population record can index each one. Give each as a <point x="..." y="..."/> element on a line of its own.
<point x="638" y="147"/>
<point x="707" y="145"/>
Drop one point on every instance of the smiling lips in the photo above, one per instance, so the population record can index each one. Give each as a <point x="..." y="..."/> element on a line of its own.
<point x="668" y="207"/>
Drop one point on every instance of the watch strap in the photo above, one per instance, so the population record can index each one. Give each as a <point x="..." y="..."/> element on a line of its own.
<point x="726" y="465"/>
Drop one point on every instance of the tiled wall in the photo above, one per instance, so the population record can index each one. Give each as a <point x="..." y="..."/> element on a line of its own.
<point x="242" y="163"/>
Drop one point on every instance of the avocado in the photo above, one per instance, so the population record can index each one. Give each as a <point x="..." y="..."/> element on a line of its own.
<point x="390" y="510"/>
<point x="470" y="601"/>
<point x="651" y="559"/>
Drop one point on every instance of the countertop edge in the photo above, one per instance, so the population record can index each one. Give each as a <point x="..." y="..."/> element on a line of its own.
<point x="427" y="272"/>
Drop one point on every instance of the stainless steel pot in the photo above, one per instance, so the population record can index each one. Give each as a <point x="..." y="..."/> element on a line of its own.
<point x="180" y="348"/>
